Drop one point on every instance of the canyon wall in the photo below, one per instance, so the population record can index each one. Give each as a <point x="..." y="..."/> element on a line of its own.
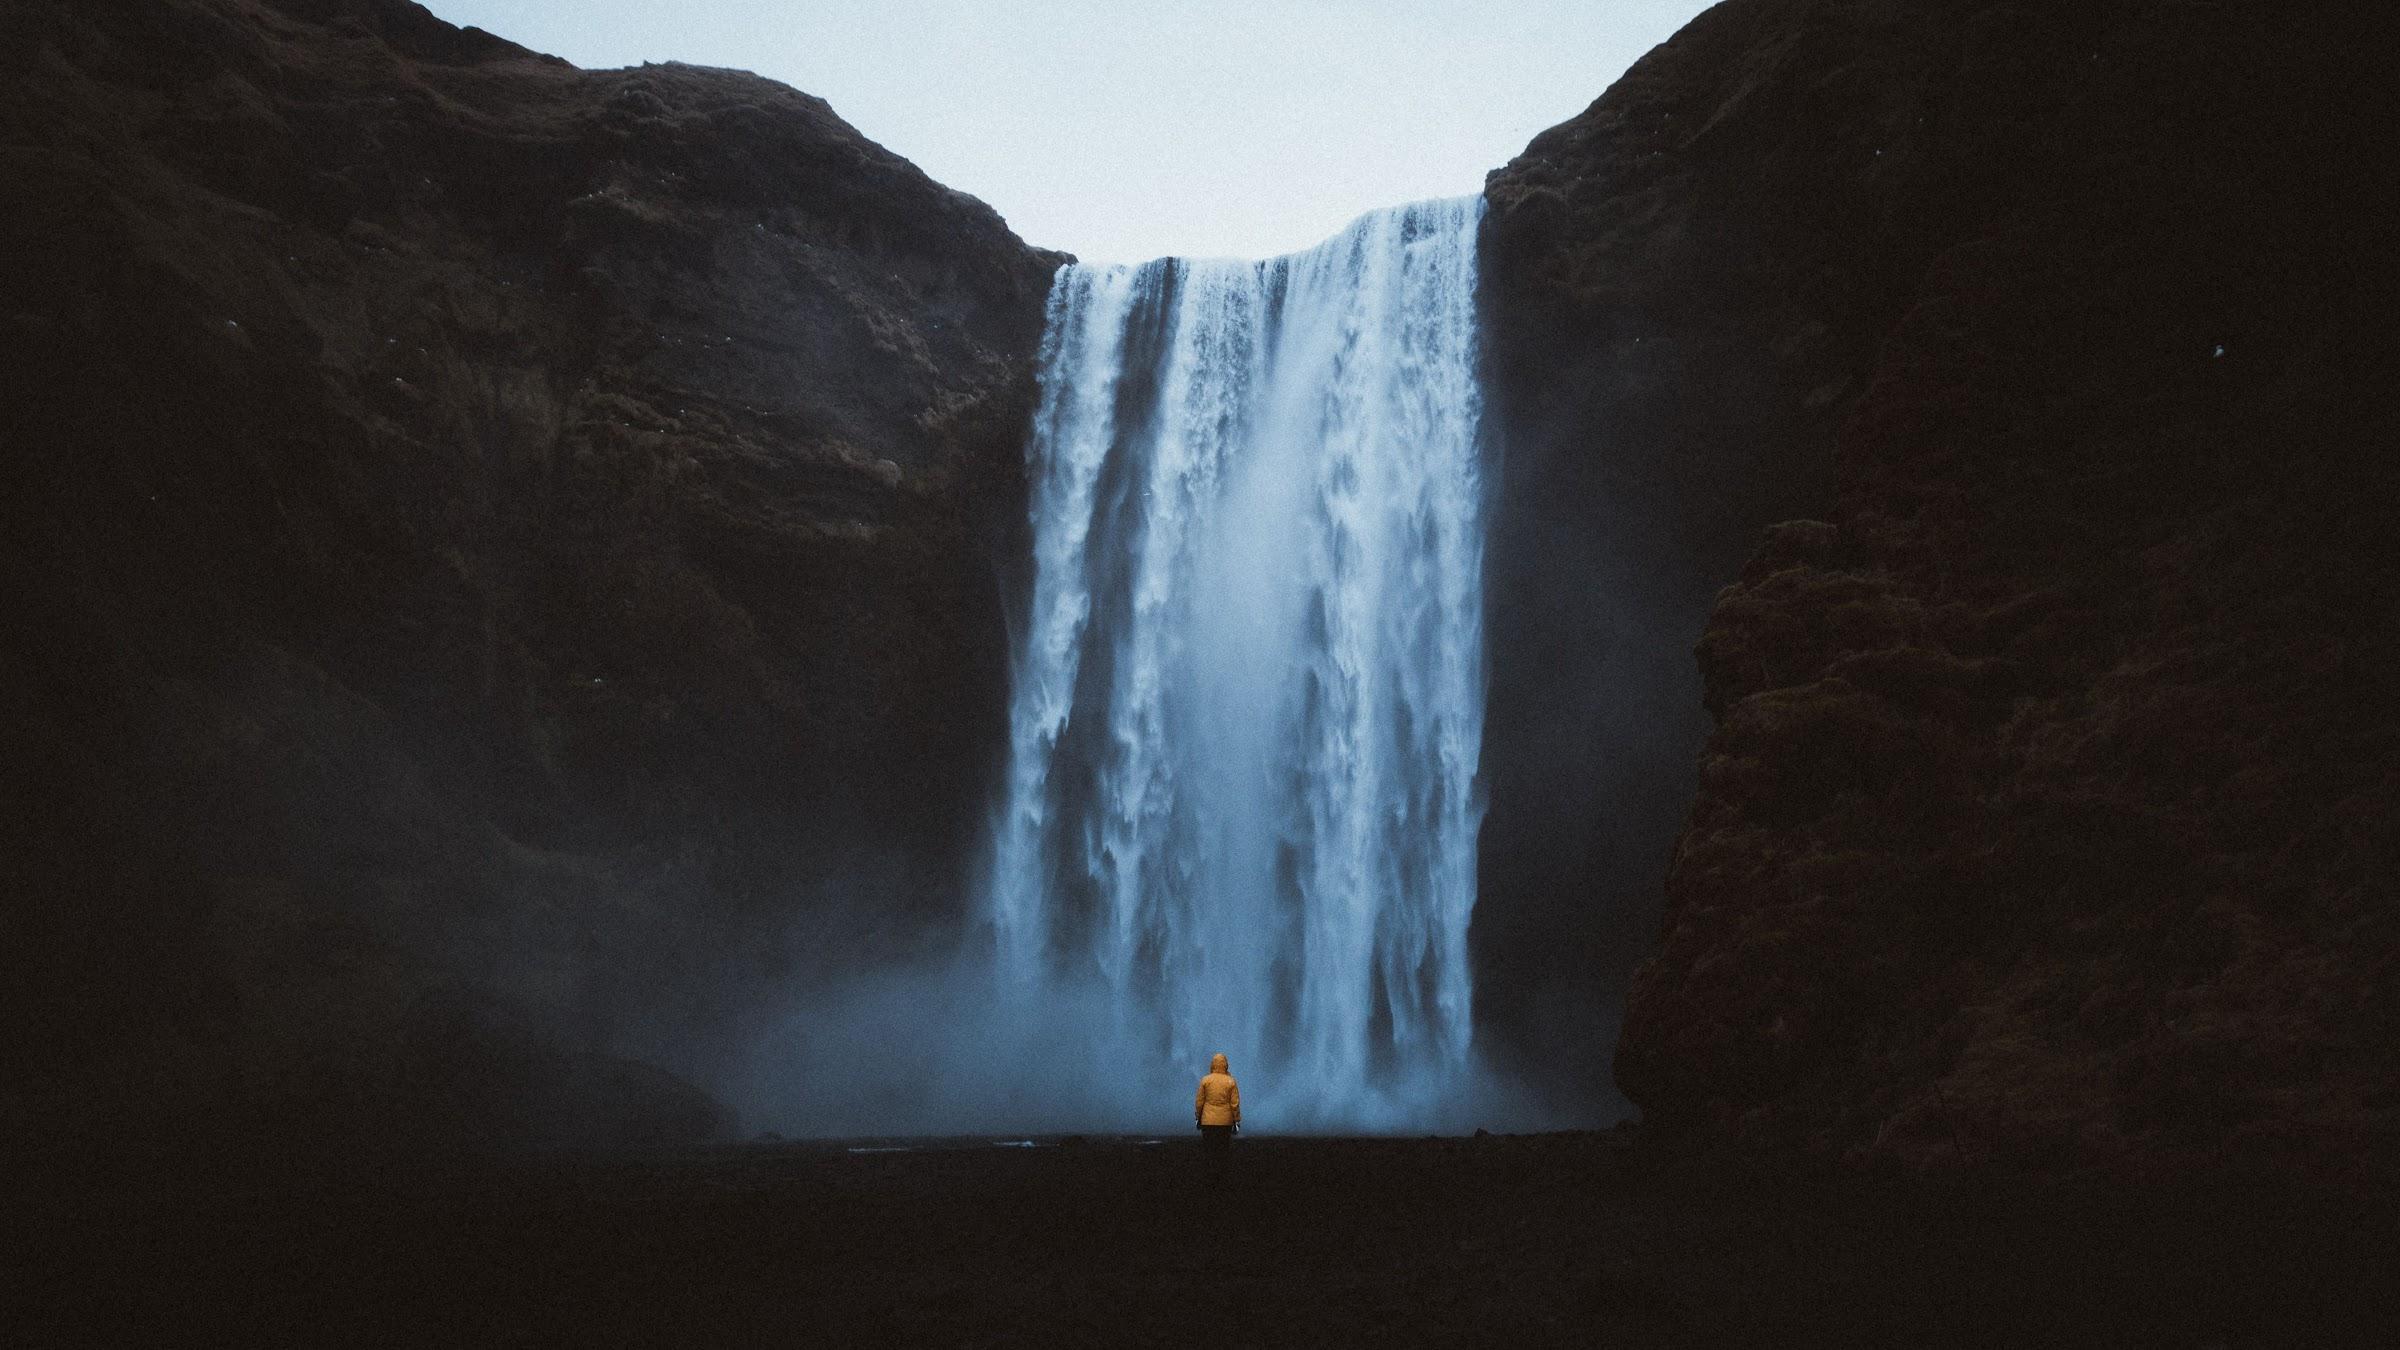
<point x="507" y="564"/>
<point x="2045" y="821"/>
<point x="511" y="569"/>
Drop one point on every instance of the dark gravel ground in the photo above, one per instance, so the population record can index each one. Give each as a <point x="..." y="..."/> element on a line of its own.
<point x="1566" y="1239"/>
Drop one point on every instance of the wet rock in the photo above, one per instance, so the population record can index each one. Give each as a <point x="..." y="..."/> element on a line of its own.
<point x="488" y="526"/>
<point x="2031" y="829"/>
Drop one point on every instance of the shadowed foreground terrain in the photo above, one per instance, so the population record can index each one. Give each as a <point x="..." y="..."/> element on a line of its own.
<point x="1510" y="1240"/>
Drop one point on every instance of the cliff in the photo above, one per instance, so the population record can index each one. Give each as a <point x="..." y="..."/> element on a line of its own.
<point x="507" y="561"/>
<point x="2045" y="821"/>
<point x="511" y="568"/>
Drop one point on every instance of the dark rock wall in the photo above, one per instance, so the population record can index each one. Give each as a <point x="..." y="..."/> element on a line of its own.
<point x="505" y="561"/>
<point x="509" y="564"/>
<point x="1681" y="292"/>
<point x="2047" y="817"/>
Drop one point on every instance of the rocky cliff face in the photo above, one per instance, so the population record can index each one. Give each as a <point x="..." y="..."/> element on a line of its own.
<point x="2046" y="818"/>
<point x="511" y="561"/>
<point x="506" y="560"/>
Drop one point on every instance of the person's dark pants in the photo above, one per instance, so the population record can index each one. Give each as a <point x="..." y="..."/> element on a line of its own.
<point x="1216" y="1138"/>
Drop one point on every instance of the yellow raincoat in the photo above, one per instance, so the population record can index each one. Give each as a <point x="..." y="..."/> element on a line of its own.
<point x="1219" y="1100"/>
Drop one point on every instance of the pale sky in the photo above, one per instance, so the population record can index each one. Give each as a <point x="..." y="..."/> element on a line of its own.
<point x="1125" y="131"/>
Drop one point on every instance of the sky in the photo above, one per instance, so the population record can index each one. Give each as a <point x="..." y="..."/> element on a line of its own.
<point x="1126" y="131"/>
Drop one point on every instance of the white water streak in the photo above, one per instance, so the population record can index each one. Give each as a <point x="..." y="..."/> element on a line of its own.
<point x="1249" y="699"/>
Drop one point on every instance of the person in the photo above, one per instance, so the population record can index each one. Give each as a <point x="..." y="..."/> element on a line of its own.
<point x="1217" y="1106"/>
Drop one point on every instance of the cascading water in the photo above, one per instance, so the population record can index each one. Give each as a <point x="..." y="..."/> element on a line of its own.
<point x="1241" y="808"/>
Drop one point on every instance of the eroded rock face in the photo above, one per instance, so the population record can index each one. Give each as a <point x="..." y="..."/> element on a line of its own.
<point x="1682" y="290"/>
<point x="492" y="546"/>
<point x="2046" y="820"/>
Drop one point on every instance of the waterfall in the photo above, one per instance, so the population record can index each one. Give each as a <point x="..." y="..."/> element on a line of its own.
<point x="1241" y="806"/>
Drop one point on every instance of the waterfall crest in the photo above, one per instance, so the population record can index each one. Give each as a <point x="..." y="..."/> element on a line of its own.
<point x="1241" y="807"/>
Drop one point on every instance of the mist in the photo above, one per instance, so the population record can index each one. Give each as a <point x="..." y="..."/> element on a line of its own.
<point x="942" y="1046"/>
<point x="1240" y="810"/>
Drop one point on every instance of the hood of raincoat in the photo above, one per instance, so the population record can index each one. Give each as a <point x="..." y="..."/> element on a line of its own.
<point x="1218" y="1101"/>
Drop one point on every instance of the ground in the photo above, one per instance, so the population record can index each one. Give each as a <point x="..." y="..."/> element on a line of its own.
<point x="1566" y="1239"/>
